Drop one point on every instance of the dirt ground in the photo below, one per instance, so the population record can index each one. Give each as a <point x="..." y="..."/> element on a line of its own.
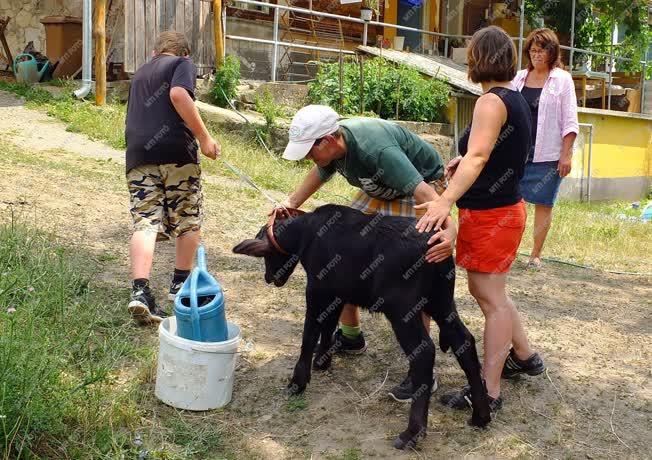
<point x="593" y="329"/>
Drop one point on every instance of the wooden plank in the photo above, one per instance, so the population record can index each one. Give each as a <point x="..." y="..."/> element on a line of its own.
<point x="170" y="14"/>
<point x="181" y="20"/>
<point x="130" y="59"/>
<point x="139" y="32"/>
<point x="209" y="40"/>
<point x="196" y="32"/>
<point x="160" y="16"/>
<point x="187" y="21"/>
<point x="204" y="27"/>
<point x="150" y="26"/>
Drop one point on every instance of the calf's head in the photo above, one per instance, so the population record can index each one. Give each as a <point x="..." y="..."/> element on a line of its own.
<point x="278" y="266"/>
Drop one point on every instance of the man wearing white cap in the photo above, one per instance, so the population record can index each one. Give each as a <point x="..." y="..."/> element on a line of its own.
<point x="393" y="168"/>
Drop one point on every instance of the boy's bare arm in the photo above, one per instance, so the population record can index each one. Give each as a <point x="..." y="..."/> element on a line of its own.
<point x="185" y="107"/>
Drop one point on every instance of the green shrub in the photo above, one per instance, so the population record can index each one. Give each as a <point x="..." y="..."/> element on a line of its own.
<point x="267" y="106"/>
<point x="227" y="79"/>
<point x="385" y="85"/>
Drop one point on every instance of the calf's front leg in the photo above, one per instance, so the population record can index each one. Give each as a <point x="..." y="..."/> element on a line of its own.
<point x="420" y="350"/>
<point x="301" y="376"/>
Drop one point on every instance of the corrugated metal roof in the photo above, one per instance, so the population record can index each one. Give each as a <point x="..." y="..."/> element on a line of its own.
<point x="433" y="66"/>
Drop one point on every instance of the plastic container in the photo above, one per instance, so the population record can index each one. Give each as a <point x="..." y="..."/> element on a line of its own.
<point x="398" y="43"/>
<point x="63" y="44"/>
<point x="195" y="375"/>
<point x="199" y="305"/>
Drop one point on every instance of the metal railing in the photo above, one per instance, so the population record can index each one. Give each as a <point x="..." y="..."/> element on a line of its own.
<point x="275" y="42"/>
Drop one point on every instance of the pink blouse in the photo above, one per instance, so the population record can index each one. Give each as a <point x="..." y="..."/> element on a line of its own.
<point x="557" y="113"/>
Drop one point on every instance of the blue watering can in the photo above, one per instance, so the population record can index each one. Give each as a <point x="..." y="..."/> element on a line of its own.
<point x="199" y="306"/>
<point x="26" y="70"/>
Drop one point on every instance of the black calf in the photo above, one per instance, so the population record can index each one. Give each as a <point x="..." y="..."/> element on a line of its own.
<point x="378" y="263"/>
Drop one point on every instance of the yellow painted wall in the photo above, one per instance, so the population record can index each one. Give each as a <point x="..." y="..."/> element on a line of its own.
<point x="622" y="147"/>
<point x="391" y="16"/>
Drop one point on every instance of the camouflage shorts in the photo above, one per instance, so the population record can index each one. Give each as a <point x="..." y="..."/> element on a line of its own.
<point x="166" y="199"/>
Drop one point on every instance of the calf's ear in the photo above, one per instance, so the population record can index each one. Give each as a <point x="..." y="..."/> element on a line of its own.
<point x="254" y="248"/>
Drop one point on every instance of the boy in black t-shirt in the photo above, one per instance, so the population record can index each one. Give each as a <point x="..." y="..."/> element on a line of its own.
<point x="163" y="172"/>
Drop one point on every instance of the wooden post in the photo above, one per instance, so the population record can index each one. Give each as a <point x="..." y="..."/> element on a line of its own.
<point x="100" y="52"/>
<point x="219" y="36"/>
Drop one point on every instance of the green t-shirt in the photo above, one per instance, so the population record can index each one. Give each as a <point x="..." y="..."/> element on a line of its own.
<point x="384" y="159"/>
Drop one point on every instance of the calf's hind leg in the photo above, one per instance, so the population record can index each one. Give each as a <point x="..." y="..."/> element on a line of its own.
<point x="454" y="334"/>
<point x="328" y="322"/>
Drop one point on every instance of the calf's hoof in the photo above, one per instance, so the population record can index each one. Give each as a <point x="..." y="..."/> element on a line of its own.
<point x="294" y="389"/>
<point x="408" y="439"/>
<point x="480" y="420"/>
<point x="322" y="362"/>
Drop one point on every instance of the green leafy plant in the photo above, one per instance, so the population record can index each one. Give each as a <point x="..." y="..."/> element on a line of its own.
<point x="389" y="90"/>
<point x="267" y="106"/>
<point x="227" y="78"/>
<point x="594" y="21"/>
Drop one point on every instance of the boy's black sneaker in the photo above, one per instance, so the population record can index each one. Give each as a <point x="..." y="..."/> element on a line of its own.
<point x="143" y="307"/>
<point x="174" y="289"/>
<point x="461" y="400"/>
<point x="514" y="366"/>
<point x="403" y="391"/>
<point x="344" y="345"/>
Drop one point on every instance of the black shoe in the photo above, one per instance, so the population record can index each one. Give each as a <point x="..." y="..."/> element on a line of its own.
<point x="174" y="289"/>
<point x="514" y="366"/>
<point x="403" y="391"/>
<point x="344" y="345"/>
<point x="461" y="400"/>
<point x="143" y="307"/>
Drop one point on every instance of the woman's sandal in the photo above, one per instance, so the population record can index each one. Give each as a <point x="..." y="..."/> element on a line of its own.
<point x="533" y="264"/>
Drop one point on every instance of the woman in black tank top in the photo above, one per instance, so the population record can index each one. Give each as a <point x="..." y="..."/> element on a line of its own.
<point x="484" y="185"/>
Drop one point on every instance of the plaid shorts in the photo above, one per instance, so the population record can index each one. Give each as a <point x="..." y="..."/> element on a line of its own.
<point x="397" y="207"/>
<point x="166" y="199"/>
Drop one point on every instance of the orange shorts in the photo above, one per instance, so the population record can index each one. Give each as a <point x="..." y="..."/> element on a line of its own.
<point x="487" y="239"/>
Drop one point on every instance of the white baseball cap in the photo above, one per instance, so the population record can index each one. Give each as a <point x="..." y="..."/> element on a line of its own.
<point x="309" y="124"/>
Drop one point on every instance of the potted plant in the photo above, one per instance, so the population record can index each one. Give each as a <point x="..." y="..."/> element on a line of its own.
<point x="368" y="8"/>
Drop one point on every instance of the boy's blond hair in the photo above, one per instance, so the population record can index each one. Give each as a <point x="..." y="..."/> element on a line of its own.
<point x="173" y="43"/>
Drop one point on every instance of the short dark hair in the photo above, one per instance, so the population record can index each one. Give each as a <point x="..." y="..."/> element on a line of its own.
<point x="491" y="56"/>
<point x="173" y="43"/>
<point x="547" y="40"/>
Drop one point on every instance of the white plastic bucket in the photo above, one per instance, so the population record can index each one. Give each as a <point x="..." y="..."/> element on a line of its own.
<point x="398" y="42"/>
<point x="195" y="375"/>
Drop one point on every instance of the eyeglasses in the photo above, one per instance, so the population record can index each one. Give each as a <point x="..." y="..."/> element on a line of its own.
<point x="533" y="51"/>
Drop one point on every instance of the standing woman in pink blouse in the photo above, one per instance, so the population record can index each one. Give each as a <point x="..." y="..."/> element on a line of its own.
<point x="550" y="93"/>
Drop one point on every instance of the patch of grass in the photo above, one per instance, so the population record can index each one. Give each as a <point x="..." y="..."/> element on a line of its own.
<point x="594" y="234"/>
<point x="346" y="454"/>
<point x="295" y="403"/>
<point x="29" y="93"/>
<point x="98" y="123"/>
<point x="270" y="172"/>
<point x="63" y="340"/>
<point x="198" y="440"/>
<point x="242" y="149"/>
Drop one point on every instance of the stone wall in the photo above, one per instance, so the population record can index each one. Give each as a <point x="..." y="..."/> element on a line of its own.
<point x="25" y="25"/>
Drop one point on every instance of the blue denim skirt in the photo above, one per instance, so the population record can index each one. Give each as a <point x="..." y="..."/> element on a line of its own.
<point x="540" y="183"/>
